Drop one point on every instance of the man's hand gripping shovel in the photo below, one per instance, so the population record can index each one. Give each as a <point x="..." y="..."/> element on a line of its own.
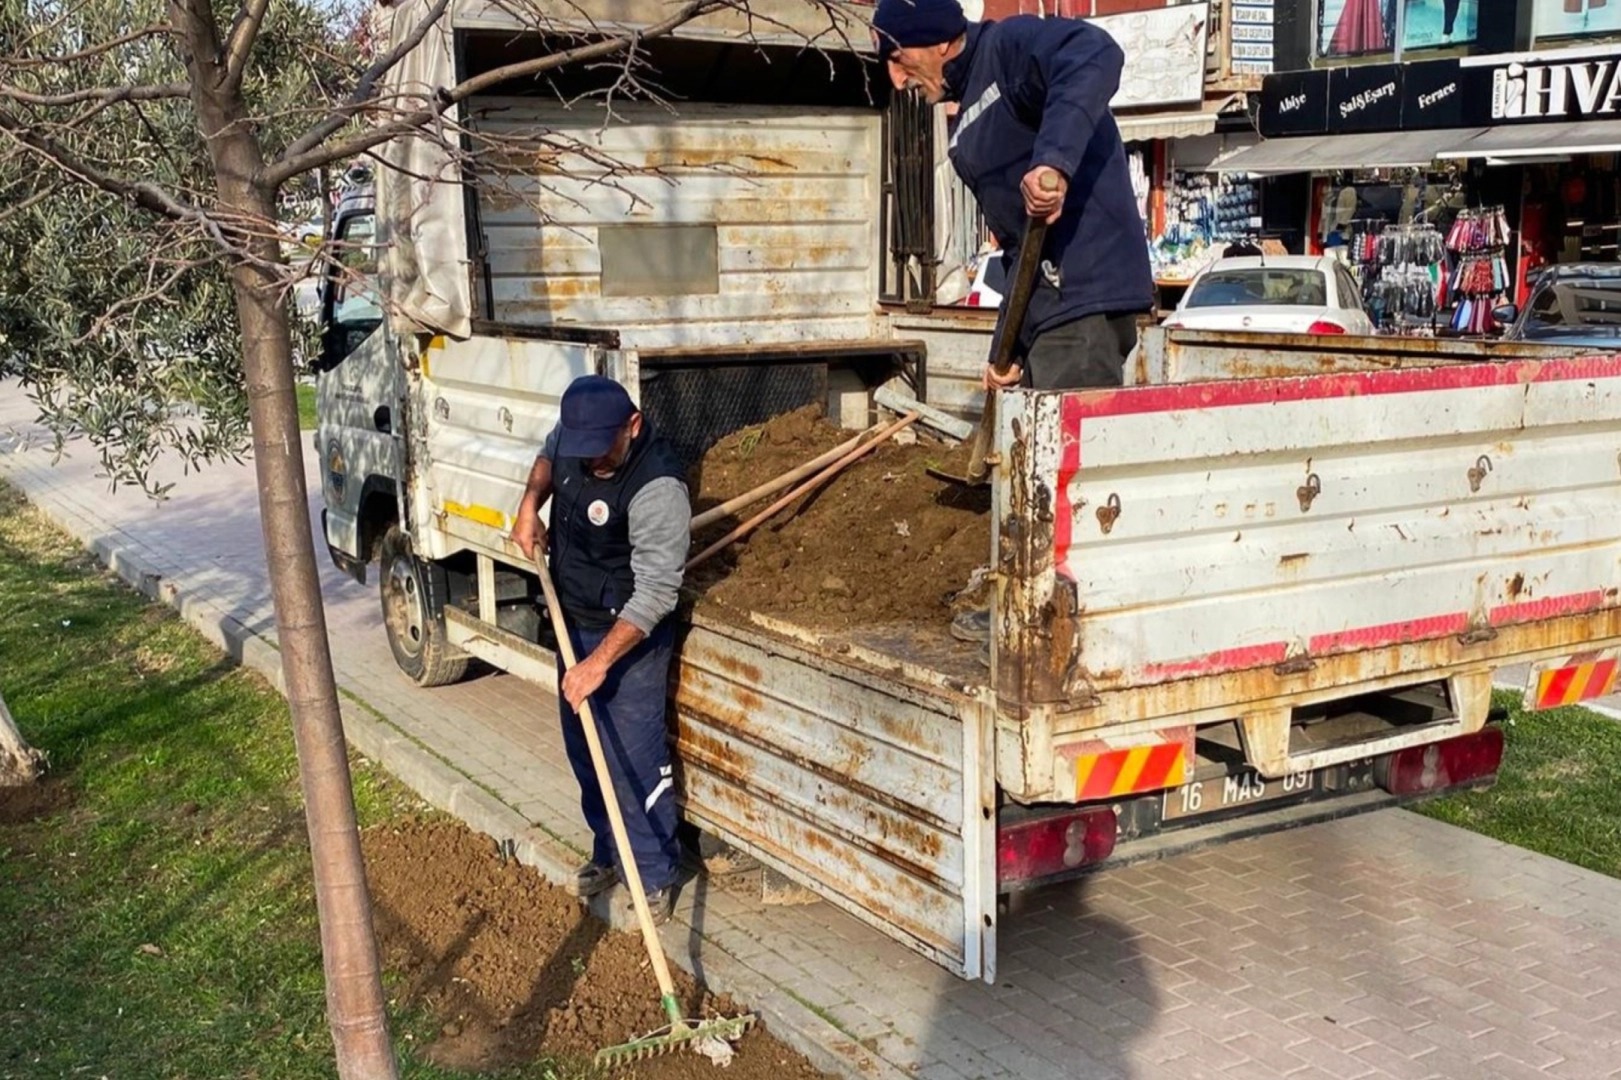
<point x="1014" y="307"/>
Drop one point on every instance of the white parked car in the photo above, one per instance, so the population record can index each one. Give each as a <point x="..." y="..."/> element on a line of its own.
<point x="1279" y="294"/>
<point x="990" y="280"/>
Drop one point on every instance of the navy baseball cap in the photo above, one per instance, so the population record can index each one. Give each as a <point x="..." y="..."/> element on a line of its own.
<point x="593" y="409"/>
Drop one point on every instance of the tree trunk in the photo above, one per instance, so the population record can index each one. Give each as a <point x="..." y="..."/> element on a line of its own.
<point x="19" y="764"/>
<point x="354" y="990"/>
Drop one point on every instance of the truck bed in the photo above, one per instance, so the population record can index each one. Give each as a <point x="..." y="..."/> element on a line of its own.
<point x="1274" y="527"/>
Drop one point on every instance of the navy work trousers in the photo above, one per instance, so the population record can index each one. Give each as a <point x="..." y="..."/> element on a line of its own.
<point x="630" y="719"/>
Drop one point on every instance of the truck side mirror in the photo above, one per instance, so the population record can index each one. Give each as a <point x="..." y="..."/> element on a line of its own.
<point x="1506" y="314"/>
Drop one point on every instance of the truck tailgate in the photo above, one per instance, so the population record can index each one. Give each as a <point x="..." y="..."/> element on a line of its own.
<point x="1196" y="549"/>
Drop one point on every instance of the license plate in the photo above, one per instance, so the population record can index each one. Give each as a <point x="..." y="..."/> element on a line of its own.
<point x="1242" y="789"/>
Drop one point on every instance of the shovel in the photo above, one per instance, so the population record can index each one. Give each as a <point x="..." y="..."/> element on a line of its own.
<point x="1014" y="307"/>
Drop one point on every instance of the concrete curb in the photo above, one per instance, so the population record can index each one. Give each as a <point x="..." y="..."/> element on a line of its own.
<point x="445" y="788"/>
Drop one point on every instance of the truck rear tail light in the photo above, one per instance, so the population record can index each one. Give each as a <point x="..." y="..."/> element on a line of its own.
<point x="972" y="299"/>
<point x="1172" y="324"/>
<point x="1030" y="850"/>
<point x="1438" y="766"/>
<point x="1323" y="326"/>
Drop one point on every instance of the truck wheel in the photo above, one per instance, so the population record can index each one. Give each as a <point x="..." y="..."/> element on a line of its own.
<point x="411" y="614"/>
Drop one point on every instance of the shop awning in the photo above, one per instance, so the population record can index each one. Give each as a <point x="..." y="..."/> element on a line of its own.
<point x="1138" y="127"/>
<point x="1334" y="153"/>
<point x="1536" y="140"/>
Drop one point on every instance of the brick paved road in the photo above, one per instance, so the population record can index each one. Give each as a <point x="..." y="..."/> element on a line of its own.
<point x="1386" y="946"/>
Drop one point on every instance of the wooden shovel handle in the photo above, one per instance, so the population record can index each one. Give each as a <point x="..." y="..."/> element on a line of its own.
<point x="1014" y="308"/>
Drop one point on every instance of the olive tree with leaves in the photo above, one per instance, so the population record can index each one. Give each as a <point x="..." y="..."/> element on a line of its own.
<point x="145" y="146"/>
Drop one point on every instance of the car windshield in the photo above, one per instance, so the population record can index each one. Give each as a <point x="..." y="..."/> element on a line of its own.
<point x="1260" y="286"/>
<point x="1575" y="307"/>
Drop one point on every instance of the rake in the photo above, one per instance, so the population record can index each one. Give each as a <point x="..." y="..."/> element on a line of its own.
<point x="680" y="1031"/>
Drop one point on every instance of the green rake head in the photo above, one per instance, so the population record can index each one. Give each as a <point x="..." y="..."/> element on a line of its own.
<point x="676" y="1036"/>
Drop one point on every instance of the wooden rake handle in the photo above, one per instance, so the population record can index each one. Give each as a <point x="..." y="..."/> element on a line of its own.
<point x="610" y="798"/>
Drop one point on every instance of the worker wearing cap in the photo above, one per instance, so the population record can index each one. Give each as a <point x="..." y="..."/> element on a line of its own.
<point x="620" y="528"/>
<point x="1034" y="138"/>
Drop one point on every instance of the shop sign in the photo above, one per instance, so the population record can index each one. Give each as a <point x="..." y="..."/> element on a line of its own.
<point x="1250" y="37"/>
<point x="1294" y="103"/>
<point x="1165" y="54"/>
<point x="1537" y="91"/>
<point x="1433" y="96"/>
<point x="1365" y="98"/>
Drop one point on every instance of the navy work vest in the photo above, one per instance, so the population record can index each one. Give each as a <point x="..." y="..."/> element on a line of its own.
<point x="590" y="529"/>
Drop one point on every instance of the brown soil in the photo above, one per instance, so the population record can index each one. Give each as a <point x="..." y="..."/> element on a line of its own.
<point x="883" y="543"/>
<point x="516" y="969"/>
<point x="22" y="803"/>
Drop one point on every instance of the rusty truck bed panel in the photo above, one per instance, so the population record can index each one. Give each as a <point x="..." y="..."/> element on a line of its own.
<point x="855" y="782"/>
<point x="1230" y="549"/>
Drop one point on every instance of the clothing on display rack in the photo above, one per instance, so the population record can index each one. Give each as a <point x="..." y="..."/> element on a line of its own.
<point x="1478" y="239"/>
<point x="1401" y="269"/>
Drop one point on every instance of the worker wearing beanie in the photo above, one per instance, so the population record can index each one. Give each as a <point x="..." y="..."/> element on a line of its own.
<point x="1035" y="103"/>
<point x="620" y="530"/>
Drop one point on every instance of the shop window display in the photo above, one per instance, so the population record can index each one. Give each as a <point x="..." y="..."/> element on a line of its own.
<point x="1203" y="214"/>
<point x="1575" y="18"/>
<point x="1365" y="27"/>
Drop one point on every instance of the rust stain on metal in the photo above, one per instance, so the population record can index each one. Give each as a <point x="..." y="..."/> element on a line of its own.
<point x="699" y="730"/>
<point x="738" y="668"/>
<point x="1040" y="634"/>
<point x="1340" y="674"/>
<point x="695" y="742"/>
<point x="736" y="162"/>
<point x="565" y="288"/>
<point x="1516" y="586"/>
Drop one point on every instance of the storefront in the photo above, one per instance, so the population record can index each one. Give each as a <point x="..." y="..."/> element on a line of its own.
<point x="1177" y="115"/>
<point x="1470" y="172"/>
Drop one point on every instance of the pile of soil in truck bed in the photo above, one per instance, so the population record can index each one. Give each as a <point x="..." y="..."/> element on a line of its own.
<point x="883" y="544"/>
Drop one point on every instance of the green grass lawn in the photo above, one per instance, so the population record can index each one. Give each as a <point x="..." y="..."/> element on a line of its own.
<point x="1558" y="791"/>
<point x="306" y="406"/>
<point x="159" y="921"/>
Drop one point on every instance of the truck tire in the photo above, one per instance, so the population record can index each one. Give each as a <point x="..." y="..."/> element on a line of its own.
<point x="412" y="594"/>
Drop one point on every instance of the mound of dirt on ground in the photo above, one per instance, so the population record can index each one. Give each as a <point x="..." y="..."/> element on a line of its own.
<point x="516" y="969"/>
<point x="884" y="543"/>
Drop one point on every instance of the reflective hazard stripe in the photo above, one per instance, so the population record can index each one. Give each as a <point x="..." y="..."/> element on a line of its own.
<point x="1128" y="772"/>
<point x="1575" y="681"/>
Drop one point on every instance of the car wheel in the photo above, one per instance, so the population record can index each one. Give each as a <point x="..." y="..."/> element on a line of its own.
<point x="412" y="593"/>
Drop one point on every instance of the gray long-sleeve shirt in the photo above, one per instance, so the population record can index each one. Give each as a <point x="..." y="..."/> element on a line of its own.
<point x="660" y="522"/>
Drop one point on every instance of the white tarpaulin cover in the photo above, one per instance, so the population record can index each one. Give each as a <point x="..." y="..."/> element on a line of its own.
<point x="420" y="218"/>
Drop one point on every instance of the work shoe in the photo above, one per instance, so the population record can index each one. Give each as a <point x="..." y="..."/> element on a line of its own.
<point x="660" y="903"/>
<point x="593" y="878"/>
<point x="972" y="625"/>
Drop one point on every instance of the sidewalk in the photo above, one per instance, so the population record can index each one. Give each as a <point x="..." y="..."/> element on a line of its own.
<point x="1383" y="946"/>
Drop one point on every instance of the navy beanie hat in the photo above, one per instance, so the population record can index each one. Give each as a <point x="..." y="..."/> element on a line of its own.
<point x="905" y="23"/>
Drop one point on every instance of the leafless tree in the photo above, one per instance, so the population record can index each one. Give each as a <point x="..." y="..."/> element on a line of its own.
<point x="145" y="146"/>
